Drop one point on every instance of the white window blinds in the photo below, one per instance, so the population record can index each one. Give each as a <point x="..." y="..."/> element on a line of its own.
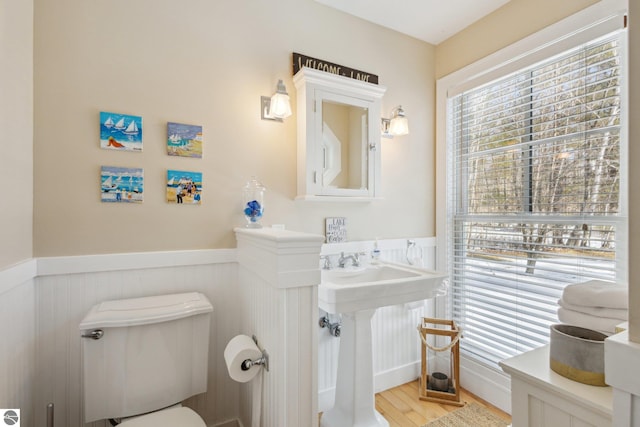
<point x="534" y="194"/>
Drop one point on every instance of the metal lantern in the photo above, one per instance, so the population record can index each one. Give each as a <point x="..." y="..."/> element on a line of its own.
<point x="440" y="376"/>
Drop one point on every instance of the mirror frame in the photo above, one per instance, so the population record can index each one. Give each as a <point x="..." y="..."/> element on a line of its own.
<point x="313" y="86"/>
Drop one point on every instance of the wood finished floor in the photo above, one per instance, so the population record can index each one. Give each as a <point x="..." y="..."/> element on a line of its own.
<point x="402" y="407"/>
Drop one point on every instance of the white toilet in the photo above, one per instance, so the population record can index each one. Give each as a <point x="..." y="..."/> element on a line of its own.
<point x="143" y="356"/>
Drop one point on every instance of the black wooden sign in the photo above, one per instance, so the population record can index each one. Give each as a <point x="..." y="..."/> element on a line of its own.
<point x="300" y="61"/>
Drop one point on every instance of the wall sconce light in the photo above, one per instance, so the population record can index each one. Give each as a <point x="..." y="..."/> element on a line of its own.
<point x="278" y="106"/>
<point x="397" y="125"/>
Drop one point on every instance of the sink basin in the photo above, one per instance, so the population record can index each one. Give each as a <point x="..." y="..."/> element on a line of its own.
<point x="357" y="293"/>
<point x="344" y="290"/>
<point x="349" y="276"/>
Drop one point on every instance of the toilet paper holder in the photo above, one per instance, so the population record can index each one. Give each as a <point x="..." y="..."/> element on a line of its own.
<point x="264" y="360"/>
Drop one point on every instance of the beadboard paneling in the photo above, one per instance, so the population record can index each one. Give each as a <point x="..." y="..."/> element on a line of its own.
<point x="281" y="314"/>
<point x="42" y="302"/>
<point x="261" y="310"/>
<point x="63" y="300"/>
<point x="18" y="341"/>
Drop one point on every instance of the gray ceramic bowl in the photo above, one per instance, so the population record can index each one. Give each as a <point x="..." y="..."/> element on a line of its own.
<point x="577" y="353"/>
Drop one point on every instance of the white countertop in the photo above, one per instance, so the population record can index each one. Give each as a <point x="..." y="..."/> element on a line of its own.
<point x="533" y="367"/>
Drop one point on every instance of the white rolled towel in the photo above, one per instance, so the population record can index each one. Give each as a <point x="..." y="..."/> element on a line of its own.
<point x="612" y="313"/>
<point x="597" y="293"/>
<point x="600" y="324"/>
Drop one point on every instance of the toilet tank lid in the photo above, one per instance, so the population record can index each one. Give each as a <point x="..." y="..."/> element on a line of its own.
<point x="146" y="310"/>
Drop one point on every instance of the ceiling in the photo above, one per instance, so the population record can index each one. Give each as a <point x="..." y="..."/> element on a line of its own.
<point x="430" y="20"/>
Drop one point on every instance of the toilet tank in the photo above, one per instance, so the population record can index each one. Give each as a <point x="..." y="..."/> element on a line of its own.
<point x="153" y="353"/>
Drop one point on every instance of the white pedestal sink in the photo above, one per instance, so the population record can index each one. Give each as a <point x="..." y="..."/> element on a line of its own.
<point x="357" y="293"/>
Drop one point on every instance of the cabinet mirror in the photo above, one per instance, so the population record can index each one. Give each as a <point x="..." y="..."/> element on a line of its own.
<point x="338" y="137"/>
<point x="344" y="145"/>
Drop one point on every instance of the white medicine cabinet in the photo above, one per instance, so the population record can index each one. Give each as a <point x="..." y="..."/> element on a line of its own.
<point x="338" y="137"/>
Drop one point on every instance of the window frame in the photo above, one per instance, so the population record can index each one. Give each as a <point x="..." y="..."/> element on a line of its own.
<point x="584" y="26"/>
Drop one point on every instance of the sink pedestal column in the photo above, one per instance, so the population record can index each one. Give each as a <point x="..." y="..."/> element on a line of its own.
<point x="355" y="401"/>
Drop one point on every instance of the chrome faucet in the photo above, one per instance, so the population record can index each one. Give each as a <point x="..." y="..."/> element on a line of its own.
<point x="355" y="259"/>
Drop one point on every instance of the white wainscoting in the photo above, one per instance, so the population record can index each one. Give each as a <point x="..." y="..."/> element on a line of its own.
<point x="18" y="340"/>
<point x="43" y="300"/>
<point x="396" y="344"/>
<point x="271" y="314"/>
<point x="67" y="287"/>
<point x="278" y="281"/>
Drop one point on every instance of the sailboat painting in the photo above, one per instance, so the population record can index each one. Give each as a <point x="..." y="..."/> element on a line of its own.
<point x="184" y="140"/>
<point x="120" y="132"/>
<point x="121" y="185"/>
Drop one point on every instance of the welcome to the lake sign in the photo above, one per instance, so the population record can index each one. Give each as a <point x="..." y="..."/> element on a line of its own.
<point x="300" y="61"/>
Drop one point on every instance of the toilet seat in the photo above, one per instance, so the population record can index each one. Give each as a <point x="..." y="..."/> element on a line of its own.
<point x="172" y="417"/>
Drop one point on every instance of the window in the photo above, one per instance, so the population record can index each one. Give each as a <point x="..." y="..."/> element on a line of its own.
<point x="535" y="180"/>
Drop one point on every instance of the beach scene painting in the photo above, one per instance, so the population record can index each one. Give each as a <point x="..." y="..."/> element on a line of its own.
<point x="120" y="132"/>
<point x="122" y="185"/>
<point x="184" y="187"/>
<point x="184" y="140"/>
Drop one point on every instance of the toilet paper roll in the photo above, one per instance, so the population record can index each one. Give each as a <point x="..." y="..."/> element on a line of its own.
<point x="239" y="349"/>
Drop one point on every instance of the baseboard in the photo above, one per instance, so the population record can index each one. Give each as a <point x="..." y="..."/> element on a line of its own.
<point x="396" y="376"/>
<point x="488" y="384"/>
<point x="382" y="381"/>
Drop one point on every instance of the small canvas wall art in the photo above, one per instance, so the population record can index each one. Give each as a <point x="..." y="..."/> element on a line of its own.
<point x="120" y="132"/>
<point x="122" y="185"/>
<point x="184" y="140"/>
<point x="184" y="187"/>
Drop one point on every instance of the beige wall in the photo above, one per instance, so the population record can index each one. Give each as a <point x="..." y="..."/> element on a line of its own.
<point x="512" y="22"/>
<point x="208" y="62"/>
<point x="16" y="122"/>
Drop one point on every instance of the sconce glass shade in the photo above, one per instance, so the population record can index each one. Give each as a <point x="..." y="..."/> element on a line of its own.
<point x="280" y="106"/>
<point x="399" y="124"/>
